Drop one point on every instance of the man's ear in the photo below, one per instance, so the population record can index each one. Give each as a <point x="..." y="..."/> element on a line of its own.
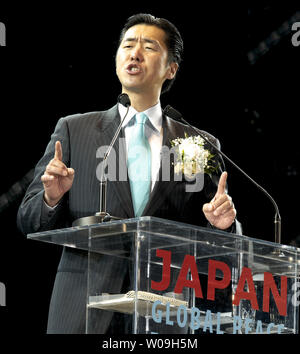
<point x="173" y="67"/>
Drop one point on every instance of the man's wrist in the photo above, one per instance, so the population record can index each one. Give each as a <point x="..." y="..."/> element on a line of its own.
<point x="51" y="202"/>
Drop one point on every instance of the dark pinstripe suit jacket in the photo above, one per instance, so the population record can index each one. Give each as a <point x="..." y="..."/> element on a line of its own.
<point x="81" y="135"/>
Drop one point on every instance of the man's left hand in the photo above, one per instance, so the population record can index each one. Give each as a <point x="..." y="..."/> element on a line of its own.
<point x="220" y="212"/>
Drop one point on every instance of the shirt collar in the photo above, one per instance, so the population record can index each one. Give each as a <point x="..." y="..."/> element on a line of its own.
<point x="154" y="114"/>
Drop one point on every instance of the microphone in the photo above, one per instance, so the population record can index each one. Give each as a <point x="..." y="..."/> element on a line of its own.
<point x="103" y="215"/>
<point x="172" y="113"/>
<point x="124" y="99"/>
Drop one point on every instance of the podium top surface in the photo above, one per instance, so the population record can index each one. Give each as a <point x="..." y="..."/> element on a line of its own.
<point x="114" y="237"/>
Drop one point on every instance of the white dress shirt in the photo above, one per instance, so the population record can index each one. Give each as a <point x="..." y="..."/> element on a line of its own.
<point x="153" y="132"/>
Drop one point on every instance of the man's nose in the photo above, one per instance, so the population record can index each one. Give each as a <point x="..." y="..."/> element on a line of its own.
<point x="136" y="53"/>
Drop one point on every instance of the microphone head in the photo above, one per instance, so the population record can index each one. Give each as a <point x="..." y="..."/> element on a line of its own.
<point x="124" y="99"/>
<point x="172" y="113"/>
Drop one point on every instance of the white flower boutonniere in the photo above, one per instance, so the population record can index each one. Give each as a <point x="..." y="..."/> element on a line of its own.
<point x="191" y="157"/>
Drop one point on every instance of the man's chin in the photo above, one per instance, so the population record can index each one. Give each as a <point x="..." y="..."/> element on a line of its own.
<point x="134" y="89"/>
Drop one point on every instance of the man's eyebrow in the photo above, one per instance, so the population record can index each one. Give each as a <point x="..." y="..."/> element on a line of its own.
<point x="147" y="40"/>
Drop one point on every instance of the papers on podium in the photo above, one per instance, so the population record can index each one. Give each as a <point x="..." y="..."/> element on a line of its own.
<point x="125" y="303"/>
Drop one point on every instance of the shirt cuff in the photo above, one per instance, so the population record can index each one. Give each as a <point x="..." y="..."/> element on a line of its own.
<point x="47" y="212"/>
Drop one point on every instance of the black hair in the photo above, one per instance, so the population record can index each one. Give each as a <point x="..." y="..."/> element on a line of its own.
<point x="174" y="41"/>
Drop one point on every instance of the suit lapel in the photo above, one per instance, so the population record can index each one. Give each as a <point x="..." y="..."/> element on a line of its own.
<point x="107" y="126"/>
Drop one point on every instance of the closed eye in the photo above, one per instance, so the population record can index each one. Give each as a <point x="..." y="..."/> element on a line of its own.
<point x="150" y="48"/>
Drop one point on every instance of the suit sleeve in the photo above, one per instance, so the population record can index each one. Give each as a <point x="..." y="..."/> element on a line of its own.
<point x="30" y="218"/>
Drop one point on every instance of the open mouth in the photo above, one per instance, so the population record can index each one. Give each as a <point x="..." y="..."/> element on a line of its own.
<point x="133" y="69"/>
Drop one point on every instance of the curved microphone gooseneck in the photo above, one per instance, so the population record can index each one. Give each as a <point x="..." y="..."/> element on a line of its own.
<point x="173" y="113"/>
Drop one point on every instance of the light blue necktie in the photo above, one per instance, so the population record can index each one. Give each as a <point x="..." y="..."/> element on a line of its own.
<point x="139" y="165"/>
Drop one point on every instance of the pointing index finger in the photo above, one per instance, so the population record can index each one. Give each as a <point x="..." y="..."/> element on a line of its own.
<point x="58" y="151"/>
<point x="222" y="183"/>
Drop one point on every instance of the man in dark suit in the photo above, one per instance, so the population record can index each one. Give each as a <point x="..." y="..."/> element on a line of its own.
<point x="147" y="60"/>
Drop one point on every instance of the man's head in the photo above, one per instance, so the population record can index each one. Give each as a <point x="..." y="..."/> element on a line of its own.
<point x="149" y="53"/>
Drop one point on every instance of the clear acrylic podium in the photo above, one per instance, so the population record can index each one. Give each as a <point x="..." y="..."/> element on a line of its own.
<point x="168" y="277"/>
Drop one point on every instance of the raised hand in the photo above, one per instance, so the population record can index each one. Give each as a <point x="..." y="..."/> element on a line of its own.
<point x="57" y="178"/>
<point x="220" y="212"/>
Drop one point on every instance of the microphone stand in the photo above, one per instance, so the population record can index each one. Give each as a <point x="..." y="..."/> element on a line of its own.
<point x="277" y="221"/>
<point x="103" y="215"/>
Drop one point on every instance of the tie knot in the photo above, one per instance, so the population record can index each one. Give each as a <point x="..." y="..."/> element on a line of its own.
<point x="141" y="118"/>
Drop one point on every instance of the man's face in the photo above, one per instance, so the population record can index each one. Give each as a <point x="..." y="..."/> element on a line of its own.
<point x="142" y="60"/>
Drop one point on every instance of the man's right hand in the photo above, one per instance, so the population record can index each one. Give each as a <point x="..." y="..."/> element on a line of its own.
<point x="57" y="178"/>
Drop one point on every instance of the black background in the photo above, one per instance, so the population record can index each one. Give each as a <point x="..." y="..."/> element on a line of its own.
<point x="60" y="60"/>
